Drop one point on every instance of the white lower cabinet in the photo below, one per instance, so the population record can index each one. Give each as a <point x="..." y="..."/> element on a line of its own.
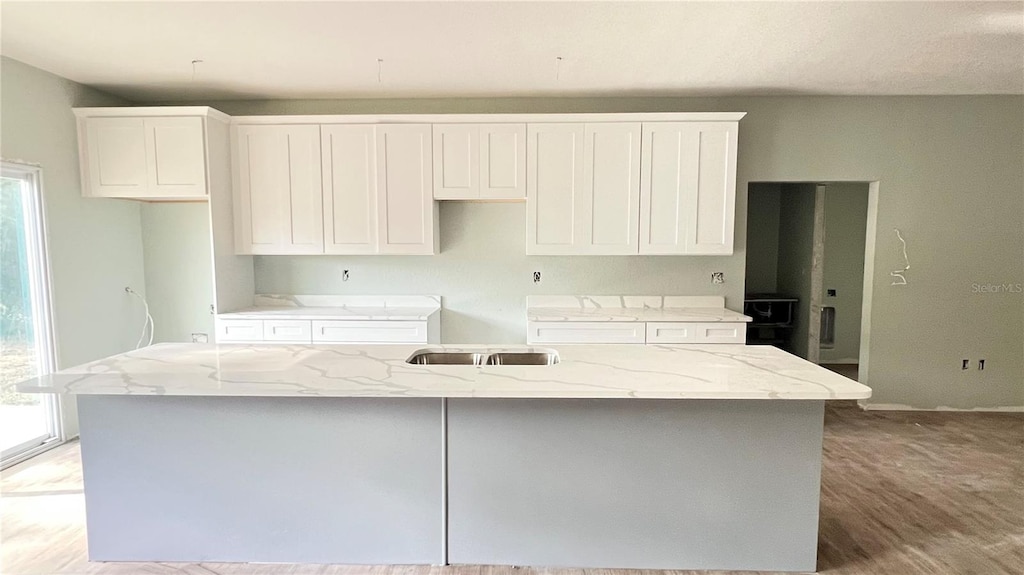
<point x="343" y="331"/>
<point x="585" y="332"/>
<point x="671" y="332"/>
<point x="721" y="332"/>
<point x="635" y="332"/>
<point x="287" y="330"/>
<point x="239" y="330"/>
<point x="326" y="331"/>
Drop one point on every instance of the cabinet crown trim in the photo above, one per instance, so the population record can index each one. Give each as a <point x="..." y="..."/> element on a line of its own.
<point x="489" y="118"/>
<point x="151" y="111"/>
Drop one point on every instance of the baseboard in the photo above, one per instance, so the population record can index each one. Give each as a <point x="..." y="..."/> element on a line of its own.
<point x="847" y="361"/>
<point x="899" y="407"/>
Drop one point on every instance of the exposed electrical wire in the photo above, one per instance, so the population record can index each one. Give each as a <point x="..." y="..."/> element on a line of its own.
<point x="558" y="68"/>
<point x="898" y="279"/>
<point x="380" y="67"/>
<point x="194" y="62"/>
<point x="148" y="323"/>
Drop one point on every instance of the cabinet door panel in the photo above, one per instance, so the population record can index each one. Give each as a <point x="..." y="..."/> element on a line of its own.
<point x="239" y="330"/>
<point x="343" y="331"/>
<point x="721" y="332"/>
<point x="350" y="189"/>
<point x="456" y="161"/>
<point x="555" y="172"/>
<point x="670" y="172"/>
<point x="611" y="199"/>
<point x="116" y="150"/>
<point x="177" y="157"/>
<point x="715" y="192"/>
<point x="585" y="332"/>
<point x="688" y="188"/>
<point x="406" y="214"/>
<point x="279" y="196"/>
<point x="503" y="161"/>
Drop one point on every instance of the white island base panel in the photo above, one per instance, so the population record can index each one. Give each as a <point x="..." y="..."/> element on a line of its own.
<point x="616" y="483"/>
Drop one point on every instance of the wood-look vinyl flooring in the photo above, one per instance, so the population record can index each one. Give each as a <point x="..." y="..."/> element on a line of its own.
<point x="903" y="493"/>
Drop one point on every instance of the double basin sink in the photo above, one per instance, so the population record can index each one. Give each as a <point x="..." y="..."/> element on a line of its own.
<point x="478" y="358"/>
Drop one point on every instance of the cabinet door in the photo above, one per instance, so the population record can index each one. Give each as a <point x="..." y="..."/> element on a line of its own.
<point x="456" y="161"/>
<point x="502" y="161"/>
<point x="176" y="157"/>
<point x="554" y="158"/>
<point x="609" y="211"/>
<point x="688" y="188"/>
<point x="406" y="215"/>
<point x="585" y="332"/>
<point x="116" y="154"/>
<point x="278" y="190"/>
<point x="350" y="189"/>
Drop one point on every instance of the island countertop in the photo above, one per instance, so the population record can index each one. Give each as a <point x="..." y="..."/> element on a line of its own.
<point x="713" y="371"/>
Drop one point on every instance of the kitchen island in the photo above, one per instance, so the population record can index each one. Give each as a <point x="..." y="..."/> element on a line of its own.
<point x="659" y="456"/>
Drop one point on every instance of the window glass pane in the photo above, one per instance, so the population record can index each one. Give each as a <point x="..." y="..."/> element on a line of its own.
<point x="24" y="418"/>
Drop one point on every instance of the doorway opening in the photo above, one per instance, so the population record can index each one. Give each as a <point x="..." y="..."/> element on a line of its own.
<point x="29" y="423"/>
<point x="809" y="261"/>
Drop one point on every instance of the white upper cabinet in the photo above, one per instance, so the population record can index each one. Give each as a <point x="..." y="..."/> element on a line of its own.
<point x="176" y="162"/>
<point x="138" y="157"/>
<point x="406" y="213"/>
<point x="350" y="189"/>
<point x="479" y="161"/>
<point x="456" y="161"/>
<point x="278" y="196"/>
<point x="611" y="189"/>
<point x="554" y="164"/>
<point x="688" y="191"/>
<point x="583" y="189"/>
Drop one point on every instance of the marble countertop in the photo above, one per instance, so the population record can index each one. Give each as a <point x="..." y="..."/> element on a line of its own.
<point x="630" y="308"/>
<point x="342" y="313"/>
<point x="344" y="307"/>
<point x="715" y="371"/>
<point x="693" y="314"/>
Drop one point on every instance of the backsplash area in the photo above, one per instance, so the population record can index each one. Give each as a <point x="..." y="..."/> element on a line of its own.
<point x="484" y="274"/>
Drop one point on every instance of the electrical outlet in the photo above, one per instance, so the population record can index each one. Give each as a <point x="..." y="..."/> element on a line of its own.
<point x="965" y="363"/>
<point x="200" y="338"/>
<point x="981" y="364"/>
<point x="718" y="277"/>
<point x="831" y="292"/>
<point x="344" y="275"/>
<point x="536" y="277"/>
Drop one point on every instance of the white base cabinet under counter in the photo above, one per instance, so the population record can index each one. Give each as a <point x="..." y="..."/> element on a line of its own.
<point x="633" y="319"/>
<point x="334" y="319"/>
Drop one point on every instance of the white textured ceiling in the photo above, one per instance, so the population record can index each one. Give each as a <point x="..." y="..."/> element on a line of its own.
<point x="143" y="50"/>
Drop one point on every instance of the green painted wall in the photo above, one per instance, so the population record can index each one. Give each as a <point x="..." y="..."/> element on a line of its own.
<point x="796" y="241"/>
<point x="94" y="245"/>
<point x="762" y="237"/>
<point x="179" y="269"/>
<point x="846" y="212"/>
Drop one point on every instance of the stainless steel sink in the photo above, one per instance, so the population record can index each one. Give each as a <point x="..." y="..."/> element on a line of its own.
<point x="523" y="358"/>
<point x="447" y="358"/>
<point x="478" y="358"/>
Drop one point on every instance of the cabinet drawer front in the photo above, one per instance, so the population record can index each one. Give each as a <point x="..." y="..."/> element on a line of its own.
<point x="585" y="332"/>
<point x="236" y="330"/>
<point x="671" y="332"/>
<point x="721" y="332"/>
<point x="291" y="330"/>
<point x="342" y="331"/>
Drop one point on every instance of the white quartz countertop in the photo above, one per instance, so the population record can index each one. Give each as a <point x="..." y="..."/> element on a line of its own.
<point x="338" y="313"/>
<point x="345" y="370"/>
<point x="683" y="314"/>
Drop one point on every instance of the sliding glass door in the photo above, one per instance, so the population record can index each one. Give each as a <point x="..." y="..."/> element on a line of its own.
<point x="28" y="422"/>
